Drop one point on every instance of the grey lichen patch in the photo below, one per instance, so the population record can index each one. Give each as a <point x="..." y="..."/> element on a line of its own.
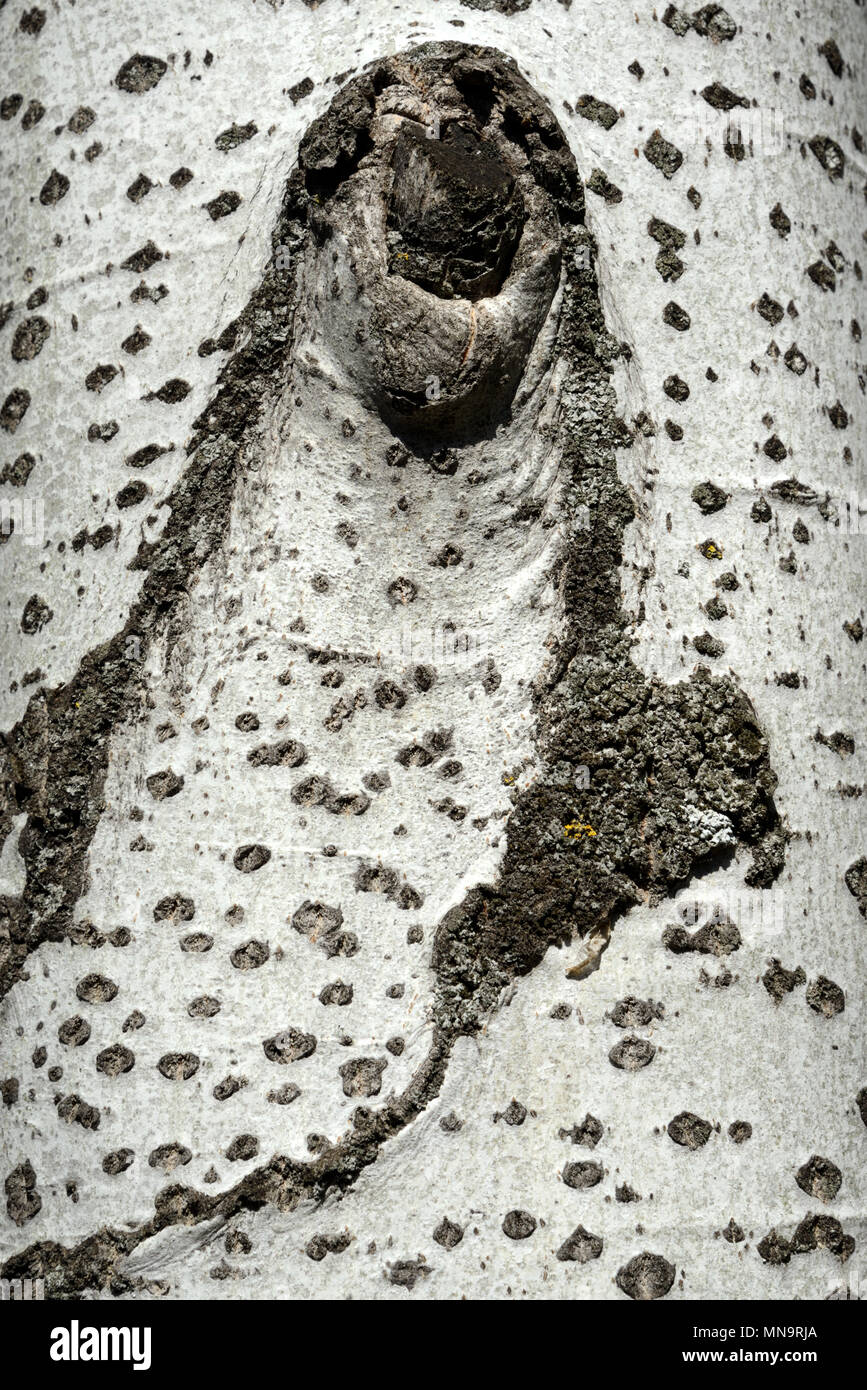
<point x="23" y="1201"/>
<point x="675" y="316"/>
<point x="825" y="997"/>
<point x="168" y="1157"/>
<point x="717" y="937"/>
<point x="593" y="109"/>
<point x="448" y="1234"/>
<point x="292" y="1045"/>
<point x="822" y="1233"/>
<point x="646" y="1276"/>
<point x="819" y="1177"/>
<point x="662" y="154"/>
<point x="580" y="1247"/>
<point x="507" y="7"/>
<point x="600" y="184"/>
<point x="74" y="1110"/>
<point x="140" y="73"/>
<point x="671" y="240"/>
<point x="363" y="1076"/>
<point x="709" y="498"/>
<point x="115" y="1060"/>
<point x="55" y="187"/>
<point x="635" y="1013"/>
<point x="235" y="135"/>
<point x="739" y="1131"/>
<point x="779" y="981"/>
<point x="587" y="1133"/>
<point x="829" y="155"/>
<point x="519" y="1224"/>
<point x="321" y="1245"/>
<point x="178" y="1066"/>
<point x="223" y="205"/>
<point x="855" y="879"/>
<point x="632" y="1054"/>
<point x="248" y="858"/>
<point x="722" y="98"/>
<point x="96" y="989"/>
<point x="30" y="338"/>
<point x="689" y="1130"/>
<point x="14" y="408"/>
<point x="583" y="1175"/>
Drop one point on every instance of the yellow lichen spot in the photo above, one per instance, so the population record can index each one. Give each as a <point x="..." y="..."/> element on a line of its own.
<point x="577" y="831"/>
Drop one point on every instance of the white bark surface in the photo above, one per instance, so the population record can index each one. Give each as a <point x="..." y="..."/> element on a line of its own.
<point x="726" y="1051"/>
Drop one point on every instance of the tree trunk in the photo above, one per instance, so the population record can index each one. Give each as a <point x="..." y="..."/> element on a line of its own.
<point x="432" y="854"/>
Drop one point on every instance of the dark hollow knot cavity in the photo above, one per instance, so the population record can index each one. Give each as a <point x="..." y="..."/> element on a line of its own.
<point x="455" y="215"/>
